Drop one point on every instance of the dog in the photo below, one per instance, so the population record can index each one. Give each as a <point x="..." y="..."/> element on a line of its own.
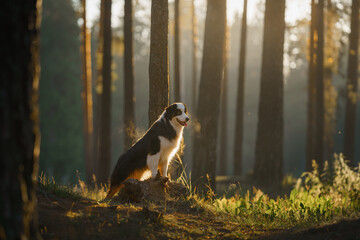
<point x="154" y="150"/>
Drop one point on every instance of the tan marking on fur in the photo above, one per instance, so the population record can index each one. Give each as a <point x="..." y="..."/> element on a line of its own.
<point x="137" y="174"/>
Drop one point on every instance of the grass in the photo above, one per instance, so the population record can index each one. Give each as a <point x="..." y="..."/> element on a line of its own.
<point x="314" y="199"/>
<point x="78" y="191"/>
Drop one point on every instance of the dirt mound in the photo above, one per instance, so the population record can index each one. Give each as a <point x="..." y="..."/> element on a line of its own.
<point x="156" y="190"/>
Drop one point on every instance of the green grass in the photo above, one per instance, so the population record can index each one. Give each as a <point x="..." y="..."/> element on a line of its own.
<point x="314" y="199"/>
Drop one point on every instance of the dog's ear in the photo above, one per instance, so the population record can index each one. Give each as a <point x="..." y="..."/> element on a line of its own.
<point x="185" y="108"/>
<point x="170" y="111"/>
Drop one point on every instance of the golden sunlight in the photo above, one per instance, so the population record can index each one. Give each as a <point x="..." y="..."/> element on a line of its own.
<point x="295" y="10"/>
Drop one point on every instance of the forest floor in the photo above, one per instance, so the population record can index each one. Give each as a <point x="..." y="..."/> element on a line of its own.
<point x="64" y="217"/>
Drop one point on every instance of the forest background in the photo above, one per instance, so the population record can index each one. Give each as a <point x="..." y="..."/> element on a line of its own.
<point x="60" y="99"/>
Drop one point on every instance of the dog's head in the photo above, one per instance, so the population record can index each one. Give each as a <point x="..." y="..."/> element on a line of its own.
<point x="177" y="114"/>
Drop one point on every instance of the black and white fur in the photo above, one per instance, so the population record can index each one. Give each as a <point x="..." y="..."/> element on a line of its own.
<point x="154" y="150"/>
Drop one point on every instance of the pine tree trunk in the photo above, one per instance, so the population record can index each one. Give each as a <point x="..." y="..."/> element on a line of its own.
<point x="159" y="60"/>
<point x="87" y="99"/>
<point x="319" y="85"/>
<point x="105" y="116"/>
<point x="177" y="51"/>
<point x="129" y="89"/>
<point x="223" y="109"/>
<point x="269" y="142"/>
<point x="311" y="91"/>
<point x="19" y="121"/>
<point x="352" y="75"/>
<point x="239" y="124"/>
<point x="194" y="61"/>
<point x="98" y="88"/>
<point x="205" y="139"/>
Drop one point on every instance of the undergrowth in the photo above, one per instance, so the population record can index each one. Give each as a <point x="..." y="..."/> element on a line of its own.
<point x="315" y="198"/>
<point x="94" y="191"/>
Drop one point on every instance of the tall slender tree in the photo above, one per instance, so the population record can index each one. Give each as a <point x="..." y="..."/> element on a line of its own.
<point x="177" y="52"/>
<point x="105" y="116"/>
<point x="87" y="98"/>
<point x="194" y="62"/>
<point x="319" y="86"/>
<point x="98" y="87"/>
<point x="239" y="124"/>
<point x="311" y="90"/>
<point x="352" y="85"/>
<point x="223" y="109"/>
<point x="159" y="60"/>
<point x="269" y="142"/>
<point x="19" y="121"/>
<point x="129" y="88"/>
<point x="207" y="112"/>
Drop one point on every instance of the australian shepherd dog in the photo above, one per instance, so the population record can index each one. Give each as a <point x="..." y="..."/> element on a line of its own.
<point x="154" y="150"/>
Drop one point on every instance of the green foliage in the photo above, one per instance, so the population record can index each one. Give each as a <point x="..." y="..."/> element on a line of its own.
<point x="315" y="199"/>
<point x="60" y="91"/>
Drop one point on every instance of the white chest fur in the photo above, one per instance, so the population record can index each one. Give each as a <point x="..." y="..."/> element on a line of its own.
<point x="169" y="148"/>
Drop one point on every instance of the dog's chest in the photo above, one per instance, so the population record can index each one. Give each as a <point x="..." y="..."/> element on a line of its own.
<point x="167" y="146"/>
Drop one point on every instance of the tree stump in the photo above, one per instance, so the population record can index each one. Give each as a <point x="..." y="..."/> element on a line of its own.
<point x="156" y="190"/>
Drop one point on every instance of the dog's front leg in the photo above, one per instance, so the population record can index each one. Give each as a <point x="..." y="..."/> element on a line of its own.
<point x="152" y="162"/>
<point x="164" y="168"/>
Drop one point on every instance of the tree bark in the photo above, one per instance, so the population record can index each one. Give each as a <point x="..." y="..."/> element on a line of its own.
<point x="98" y="88"/>
<point x="223" y="110"/>
<point x="319" y="85"/>
<point x="105" y="117"/>
<point x="239" y="124"/>
<point x="269" y="142"/>
<point x="19" y="121"/>
<point x="352" y="75"/>
<point x="310" y="134"/>
<point x="159" y="60"/>
<point x="194" y="62"/>
<point x="177" y="52"/>
<point x="87" y="99"/>
<point x="129" y="81"/>
<point x="205" y="139"/>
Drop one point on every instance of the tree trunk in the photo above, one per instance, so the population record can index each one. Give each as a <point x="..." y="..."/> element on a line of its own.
<point x="87" y="99"/>
<point x="19" y="121"/>
<point x="352" y="75"/>
<point x="129" y="94"/>
<point x="205" y="139"/>
<point x="194" y="62"/>
<point x="310" y="134"/>
<point x="159" y="60"/>
<point x="239" y="124"/>
<point x="105" y="117"/>
<point x="269" y="142"/>
<point x="319" y="85"/>
<point x="98" y="88"/>
<point x="223" y="109"/>
<point x="177" y="52"/>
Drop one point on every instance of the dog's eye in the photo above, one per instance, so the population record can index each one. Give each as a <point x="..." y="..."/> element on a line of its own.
<point x="178" y="112"/>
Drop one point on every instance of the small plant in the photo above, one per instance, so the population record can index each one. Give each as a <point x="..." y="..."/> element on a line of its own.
<point x="93" y="191"/>
<point x="49" y="185"/>
<point x="78" y="191"/>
